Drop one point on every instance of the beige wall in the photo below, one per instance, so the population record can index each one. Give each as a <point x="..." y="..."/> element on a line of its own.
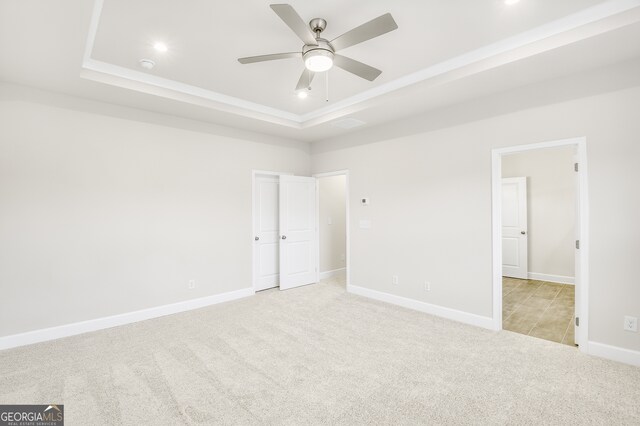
<point x="333" y="247"/>
<point x="551" y="207"/>
<point x="430" y="205"/>
<point x="102" y="215"/>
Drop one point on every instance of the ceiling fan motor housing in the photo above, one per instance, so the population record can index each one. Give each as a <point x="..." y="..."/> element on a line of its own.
<point x="322" y="45"/>
<point x="323" y="48"/>
<point x="318" y="25"/>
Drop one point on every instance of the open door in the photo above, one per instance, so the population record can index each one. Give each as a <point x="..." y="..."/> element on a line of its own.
<point x="514" y="228"/>
<point x="298" y="236"/>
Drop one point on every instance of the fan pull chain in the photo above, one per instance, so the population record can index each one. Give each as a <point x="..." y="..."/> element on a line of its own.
<point x="327" y="85"/>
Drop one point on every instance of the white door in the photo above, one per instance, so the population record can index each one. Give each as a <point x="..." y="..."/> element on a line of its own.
<point x="298" y="236"/>
<point x="514" y="227"/>
<point x="267" y="238"/>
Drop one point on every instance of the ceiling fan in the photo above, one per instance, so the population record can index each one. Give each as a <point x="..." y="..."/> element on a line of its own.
<point x="319" y="54"/>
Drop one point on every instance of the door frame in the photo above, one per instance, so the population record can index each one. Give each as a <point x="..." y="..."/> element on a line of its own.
<point x="254" y="175"/>
<point x="319" y="176"/>
<point x="581" y="226"/>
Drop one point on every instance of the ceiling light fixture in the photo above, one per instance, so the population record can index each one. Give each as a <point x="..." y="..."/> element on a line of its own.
<point x="302" y="94"/>
<point x="147" y="64"/>
<point x="160" y="47"/>
<point x="510" y="2"/>
<point x="318" y="60"/>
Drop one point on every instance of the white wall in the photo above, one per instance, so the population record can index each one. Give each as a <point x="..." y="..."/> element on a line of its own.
<point x="102" y="215"/>
<point x="431" y="202"/>
<point x="551" y="207"/>
<point x="333" y="245"/>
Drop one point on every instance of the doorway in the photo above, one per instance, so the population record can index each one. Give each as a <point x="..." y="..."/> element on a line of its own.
<point x="333" y="213"/>
<point x="540" y="241"/>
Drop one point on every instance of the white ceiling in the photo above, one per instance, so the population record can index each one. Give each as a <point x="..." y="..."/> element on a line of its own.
<point x="438" y="47"/>
<point x="206" y="37"/>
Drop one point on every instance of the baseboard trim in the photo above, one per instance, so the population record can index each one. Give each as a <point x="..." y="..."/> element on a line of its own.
<point x="560" y="279"/>
<point x="333" y="273"/>
<point x="615" y="353"/>
<point x="439" y="311"/>
<point x="73" y="329"/>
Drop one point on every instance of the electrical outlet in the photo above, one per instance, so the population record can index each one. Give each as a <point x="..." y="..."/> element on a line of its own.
<point x="343" y="257"/>
<point x="192" y="284"/>
<point x="394" y="280"/>
<point x="427" y="286"/>
<point x="631" y="323"/>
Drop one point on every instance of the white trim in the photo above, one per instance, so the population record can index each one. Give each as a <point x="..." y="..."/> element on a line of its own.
<point x="348" y="215"/>
<point x="615" y="353"/>
<point x="582" y="273"/>
<point x="254" y="174"/>
<point x="560" y="279"/>
<point x="93" y="30"/>
<point x="439" y="311"/>
<point x="333" y="273"/>
<point x="76" y="328"/>
<point x="140" y="81"/>
<point x="608" y="15"/>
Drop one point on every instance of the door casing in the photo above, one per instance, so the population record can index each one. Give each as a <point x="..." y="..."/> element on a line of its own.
<point x="582" y="232"/>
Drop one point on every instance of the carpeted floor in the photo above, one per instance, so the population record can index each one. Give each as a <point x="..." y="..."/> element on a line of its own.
<point x="317" y="355"/>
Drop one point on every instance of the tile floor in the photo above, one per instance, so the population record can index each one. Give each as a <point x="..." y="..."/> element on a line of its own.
<point x="539" y="309"/>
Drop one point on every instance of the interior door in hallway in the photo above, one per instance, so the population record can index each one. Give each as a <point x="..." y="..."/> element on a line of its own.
<point x="514" y="227"/>
<point x="267" y="237"/>
<point x="298" y="234"/>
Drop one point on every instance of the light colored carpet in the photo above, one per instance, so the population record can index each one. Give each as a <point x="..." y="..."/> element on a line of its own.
<point x="317" y="355"/>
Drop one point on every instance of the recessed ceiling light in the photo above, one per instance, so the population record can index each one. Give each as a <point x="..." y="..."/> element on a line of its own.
<point x="510" y="2"/>
<point x="147" y="64"/>
<point x="302" y="94"/>
<point x="160" y="47"/>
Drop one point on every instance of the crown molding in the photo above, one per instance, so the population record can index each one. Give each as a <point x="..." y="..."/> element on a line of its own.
<point x="590" y="22"/>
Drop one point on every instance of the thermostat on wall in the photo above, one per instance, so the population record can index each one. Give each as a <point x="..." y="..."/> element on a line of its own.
<point x="364" y="201"/>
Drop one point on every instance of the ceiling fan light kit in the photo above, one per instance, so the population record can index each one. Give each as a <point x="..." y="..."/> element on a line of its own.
<point x="318" y="54"/>
<point x="318" y="59"/>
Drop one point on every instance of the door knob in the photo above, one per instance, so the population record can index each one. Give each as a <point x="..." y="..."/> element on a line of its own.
<point x="257" y="238"/>
<point x="284" y="237"/>
<point x="522" y="232"/>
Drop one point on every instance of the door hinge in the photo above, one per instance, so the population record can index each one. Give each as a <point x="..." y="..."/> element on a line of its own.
<point x="576" y="167"/>
<point x="578" y="244"/>
<point x="577" y="321"/>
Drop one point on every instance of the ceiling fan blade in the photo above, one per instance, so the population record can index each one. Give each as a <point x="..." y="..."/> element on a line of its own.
<point x="295" y="22"/>
<point x="305" y="79"/>
<point x="272" y="57"/>
<point x="374" y="28"/>
<point x="358" y="68"/>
